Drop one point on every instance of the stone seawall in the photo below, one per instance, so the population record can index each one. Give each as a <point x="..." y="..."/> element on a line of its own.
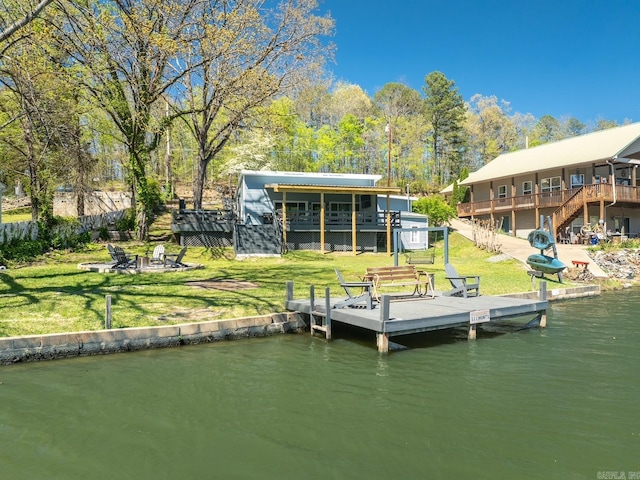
<point x="561" y="293"/>
<point x="64" y="345"/>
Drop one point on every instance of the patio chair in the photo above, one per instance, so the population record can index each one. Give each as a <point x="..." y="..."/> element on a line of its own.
<point x="175" y="260"/>
<point x="120" y="258"/>
<point x="461" y="285"/>
<point x="158" y="255"/>
<point x="354" y="300"/>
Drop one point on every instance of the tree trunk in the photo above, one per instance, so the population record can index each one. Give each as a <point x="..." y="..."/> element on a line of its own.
<point x="142" y="203"/>
<point x="198" y="185"/>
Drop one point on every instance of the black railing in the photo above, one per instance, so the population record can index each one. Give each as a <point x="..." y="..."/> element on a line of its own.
<point x="307" y="218"/>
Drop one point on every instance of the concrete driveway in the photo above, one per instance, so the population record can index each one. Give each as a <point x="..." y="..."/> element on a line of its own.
<point x="520" y="249"/>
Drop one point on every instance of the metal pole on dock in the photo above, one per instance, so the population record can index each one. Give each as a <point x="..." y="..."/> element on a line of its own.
<point x="107" y="319"/>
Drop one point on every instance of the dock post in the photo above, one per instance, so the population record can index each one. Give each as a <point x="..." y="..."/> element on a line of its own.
<point x="327" y="306"/>
<point x="472" y="332"/>
<point x="543" y="297"/>
<point x="382" y="338"/>
<point x="289" y="291"/>
<point x="312" y="308"/>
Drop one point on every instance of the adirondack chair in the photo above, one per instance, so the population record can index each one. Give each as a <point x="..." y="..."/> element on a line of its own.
<point x="120" y="258"/>
<point x="158" y="255"/>
<point x="461" y="285"/>
<point x="175" y="260"/>
<point x="354" y="300"/>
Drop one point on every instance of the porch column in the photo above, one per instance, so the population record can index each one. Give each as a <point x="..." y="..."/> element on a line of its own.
<point x="602" y="214"/>
<point x="585" y="212"/>
<point x="284" y="220"/>
<point x="492" y="197"/>
<point x="536" y="190"/>
<point x="513" y="205"/>
<point x="354" y="242"/>
<point x="634" y="175"/>
<point x="322" y="222"/>
<point x="388" y="225"/>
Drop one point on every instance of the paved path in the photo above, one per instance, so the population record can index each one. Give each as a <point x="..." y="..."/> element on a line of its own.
<point x="520" y="249"/>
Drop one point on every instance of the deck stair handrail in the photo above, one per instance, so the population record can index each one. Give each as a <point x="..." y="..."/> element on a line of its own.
<point x="568" y="210"/>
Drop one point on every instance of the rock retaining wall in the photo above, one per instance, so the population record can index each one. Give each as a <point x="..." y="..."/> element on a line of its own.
<point x="64" y="345"/>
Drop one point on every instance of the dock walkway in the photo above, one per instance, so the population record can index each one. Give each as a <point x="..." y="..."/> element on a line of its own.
<point x="395" y="316"/>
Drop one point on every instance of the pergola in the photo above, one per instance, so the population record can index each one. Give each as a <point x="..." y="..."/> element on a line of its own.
<point x="343" y="190"/>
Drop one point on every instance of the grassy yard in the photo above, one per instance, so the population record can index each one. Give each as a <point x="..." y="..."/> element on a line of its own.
<point x="52" y="295"/>
<point x="17" y="215"/>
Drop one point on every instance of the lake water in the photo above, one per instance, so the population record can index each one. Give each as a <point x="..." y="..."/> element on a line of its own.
<point x="555" y="403"/>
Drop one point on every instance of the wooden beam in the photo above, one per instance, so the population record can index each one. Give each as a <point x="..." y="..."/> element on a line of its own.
<point x="354" y="240"/>
<point x="322" y="224"/>
<point x="388" y="225"/>
<point x="284" y="221"/>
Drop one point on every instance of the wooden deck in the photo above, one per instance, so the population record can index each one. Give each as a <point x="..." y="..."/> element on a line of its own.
<point x="395" y="316"/>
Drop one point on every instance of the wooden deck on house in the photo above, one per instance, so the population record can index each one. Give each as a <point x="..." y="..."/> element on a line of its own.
<point x="395" y="316"/>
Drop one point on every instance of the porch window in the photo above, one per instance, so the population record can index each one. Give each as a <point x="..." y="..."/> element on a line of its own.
<point x="577" y="180"/>
<point x="550" y="184"/>
<point x="292" y="206"/>
<point x="414" y="238"/>
<point x="527" y="187"/>
<point x="502" y="191"/>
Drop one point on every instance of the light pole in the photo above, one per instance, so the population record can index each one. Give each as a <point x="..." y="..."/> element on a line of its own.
<point x="387" y="130"/>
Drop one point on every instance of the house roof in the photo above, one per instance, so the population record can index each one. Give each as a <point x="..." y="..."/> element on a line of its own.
<point x="621" y="144"/>
<point x="314" y="178"/>
<point x="342" y="189"/>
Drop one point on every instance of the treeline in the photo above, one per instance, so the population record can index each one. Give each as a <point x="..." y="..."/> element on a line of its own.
<point x="154" y="93"/>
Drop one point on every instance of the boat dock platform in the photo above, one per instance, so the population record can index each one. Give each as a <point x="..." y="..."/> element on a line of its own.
<point x="395" y="316"/>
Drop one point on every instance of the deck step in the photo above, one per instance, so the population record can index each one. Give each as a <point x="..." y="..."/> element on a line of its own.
<point x="322" y="328"/>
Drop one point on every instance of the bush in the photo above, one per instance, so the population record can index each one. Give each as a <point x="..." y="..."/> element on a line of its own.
<point x="22" y="250"/>
<point x="127" y="222"/>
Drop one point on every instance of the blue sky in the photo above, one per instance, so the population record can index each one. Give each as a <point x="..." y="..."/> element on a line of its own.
<point x="562" y="58"/>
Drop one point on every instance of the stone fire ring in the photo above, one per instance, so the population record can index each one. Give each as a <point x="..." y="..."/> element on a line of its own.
<point x="108" y="268"/>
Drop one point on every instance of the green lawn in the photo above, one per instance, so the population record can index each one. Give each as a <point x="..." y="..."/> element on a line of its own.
<point x="18" y="215"/>
<point x="53" y="295"/>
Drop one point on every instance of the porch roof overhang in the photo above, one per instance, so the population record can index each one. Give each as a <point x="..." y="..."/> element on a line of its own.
<point x="339" y="189"/>
<point x="630" y="153"/>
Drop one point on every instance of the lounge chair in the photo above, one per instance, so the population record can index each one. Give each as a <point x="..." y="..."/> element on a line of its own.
<point x="158" y="255"/>
<point x="354" y="300"/>
<point x="120" y="258"/>
<point x="461" y="285"/>
<point x="175" y="260"/>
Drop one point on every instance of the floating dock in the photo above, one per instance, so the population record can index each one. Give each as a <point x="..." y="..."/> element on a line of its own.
<point x="395" y="316"/>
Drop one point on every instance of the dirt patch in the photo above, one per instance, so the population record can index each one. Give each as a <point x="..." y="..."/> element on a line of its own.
<point x="229" y="285"/>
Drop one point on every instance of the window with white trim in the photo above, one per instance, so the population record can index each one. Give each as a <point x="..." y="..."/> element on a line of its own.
<point x="502" y="191"/>
<point x="550" y="184"/>
<point x="415" y="237"/>
<point x="527" y="187"/>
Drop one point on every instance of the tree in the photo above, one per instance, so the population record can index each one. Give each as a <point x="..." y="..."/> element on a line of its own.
<point x="546" y="130"/>
<point x="399" y="105"/>
<point x="41" y="144"/>
<point x="574" y="127"/>
<point x="243" y="58"/>
<point x="131" y="55"/>
<point x="490" y="130"/>
<point x="436" y="209"/>
<point x="444" y="110"/>
<point x="25" y="13"/>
